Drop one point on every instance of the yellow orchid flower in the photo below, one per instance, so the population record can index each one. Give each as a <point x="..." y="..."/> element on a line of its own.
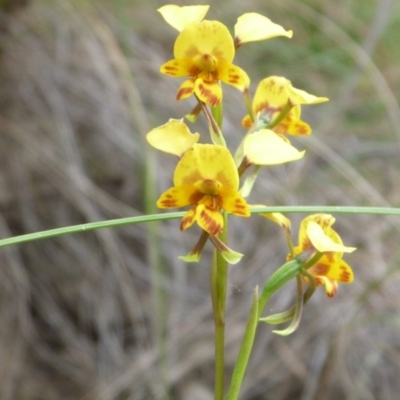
<point x="204" y="51"/>
<point x="173" y="137"/>
<point x="316" y="234"/>
<point x="206" y="179"/>
<point x="275" y="94"/>
<point x="291" y="124"/>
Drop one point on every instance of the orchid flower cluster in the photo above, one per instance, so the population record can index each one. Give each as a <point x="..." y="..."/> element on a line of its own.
<point x="207" y="176"/>
<point x="215" y="182"/>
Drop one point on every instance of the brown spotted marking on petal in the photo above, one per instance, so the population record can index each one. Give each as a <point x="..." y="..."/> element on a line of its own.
<point x="289" y="118"/>
<point x="280" y="128"/>
<point x="271" y="84"/>
<point x="301" y="129"/>
<point x="323" y="220"/>
<point x="332" y="292"/>
<point x="318" y="219"/>
<point x="194" y="71"/>
<point x="320" y="269"/>
<point x="318" y="281"/>
<point x="240" y="208"/>
<point x="213" y="227"/>
<point x="330" y="255"/>
<point x="233" y="78"/>
<point x="183" y="92"/>
<point x="265" y="108"/>
<point x="195" y="197"/>
<point x="345" y="275"/>
<point x="213" y="100"/>
<point x="169" y="201"/>
<point x="305" y="244"/>
<point x="170" y="69"/>
<point x="186" y="222"/>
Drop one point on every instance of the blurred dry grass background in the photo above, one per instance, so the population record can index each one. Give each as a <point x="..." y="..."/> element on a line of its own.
<point x="80" y="89"/>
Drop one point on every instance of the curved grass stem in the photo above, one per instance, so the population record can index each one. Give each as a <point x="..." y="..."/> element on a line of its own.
<point x="92" y="226"/>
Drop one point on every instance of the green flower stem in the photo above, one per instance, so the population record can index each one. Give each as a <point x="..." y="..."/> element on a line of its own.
<point x="289" y="270"/>
<point x="218" y="113"/>
<point x="281" y="116"/>
<point x="311" y="285"/>
<point x="245" y="350"/>
<point x="222" y="269"/>
<point x="219" y="278"/>
<point x="251" y="328"/>
<point x="239" y="153"/>
<point x="248" y="184"/>
<point x="288" y="236"/>
<point x="214" y="125"/>
<point x="113" y="223"/>
<point x="219" y="331"/>
<point x="312" y="261"/>
<point x="249" y="105"/>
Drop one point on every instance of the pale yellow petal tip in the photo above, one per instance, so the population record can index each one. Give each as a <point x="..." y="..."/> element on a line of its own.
<point x="192" y="117"/>
<point x="265" y="147"/>
<point x="324" y="243"/>
<point x="279" y="219"/>
<point x="298" y="96"/>
<point x="190" y="258"/>
<point x="252" y="27"/>
<point x="285" y="332"/>
<point x="276" y="217"/>
<point x="232" y="257"/>
<point x="179" y="17"/>
<point x="174" y="137"/>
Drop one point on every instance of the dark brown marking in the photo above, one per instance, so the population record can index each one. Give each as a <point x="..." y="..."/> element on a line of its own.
<point x="213" y="227"/>
<point x="212" y="99"/>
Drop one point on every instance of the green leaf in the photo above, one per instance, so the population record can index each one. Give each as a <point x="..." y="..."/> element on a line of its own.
<point x="282" y="275"/>
<point x="279" y="318"/>
<point x="298" y="310"/>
